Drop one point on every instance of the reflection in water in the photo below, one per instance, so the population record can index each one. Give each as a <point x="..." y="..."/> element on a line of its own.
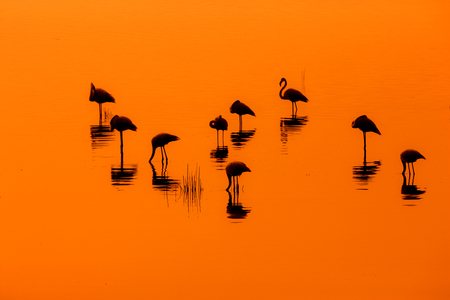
<point x="363" y="174"/>
<point x="410" y="190"/>
<point x="291" y="125"/>
<point x="219" y="155"/>
<point x="235" y="210"/>
<point x="123" y="175"/>
<point x="163" y="182"/>
<point x="100" y="135"/>
<point x="239" y="139"/>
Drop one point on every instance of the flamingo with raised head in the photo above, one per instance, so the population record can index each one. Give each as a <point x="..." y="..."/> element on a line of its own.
<point x="234" y="170"/>
<point x="365" y="125"/>
<point x="241" y="109"/>
<point x="409" y="157"/>
<point x="121" y="124"/>
<point x="160" y="140"/>
<point x="219" y="123"/>
<point x="291" y="95"/>
<point x="100" y="96"/>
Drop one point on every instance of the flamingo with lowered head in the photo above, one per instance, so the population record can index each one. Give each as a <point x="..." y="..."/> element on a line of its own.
<point x="291" y="95"/>
<point x="100" y="96"/>
<point x="234" y="170"/>
<point x="241" y="109"/>
<point x="409" y="157"/>
<point x="160" y="140"/>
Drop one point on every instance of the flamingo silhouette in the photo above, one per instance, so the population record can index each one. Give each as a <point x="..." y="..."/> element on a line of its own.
<point x="409" y="157"/>
<point x="160" y="140"/>
<point x="291" y="95"/>
<point x="121" y="124"/>
<point x="219" y="123"/>
<point x="241" y="109"/>
<point x="100" y="96"/>
<point x="234" y="170"/>
<point x="365" y="125"/>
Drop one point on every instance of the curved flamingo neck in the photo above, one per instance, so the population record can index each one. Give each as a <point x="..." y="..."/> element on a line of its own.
<point x="282" y="88"/>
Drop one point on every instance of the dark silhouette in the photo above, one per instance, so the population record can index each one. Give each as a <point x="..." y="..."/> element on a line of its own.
<point x="219" y="154"/>
<point x="100" y="135"/>
<point x="240" y="138"/>
<point x="365" y="172"/>
<point x="123" y="175"/>
<point x="365" y="125"/>
<point x="234" y="170"/>
<point x="161" y="140"/>
<point x="121" y="124"/>
<point x="291" y="95"/>
<point x="409" y="157"/>
<point x="410" y="191"/>
<point x="219" y="123"/>
<point x="163" y="182"/>
<point x="100" y="96"/>
<point x="292" y="125"/>
<point x="235" y="209"/>
<point x="241" y="109"/>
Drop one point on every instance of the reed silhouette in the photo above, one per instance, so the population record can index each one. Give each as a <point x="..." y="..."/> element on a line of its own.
<point x="234" y="170"/>
<point x="409" y="157"/>
<point x="219" y="123"/>
<point x="241" y="109"/>
<point x="292" y="95"/>
<point x="365" y="125"/>
<point x="159" y="141"/>
<point x="121" y="124"/>
<point x="235" y="209"/>
<point x="100" y="96"/>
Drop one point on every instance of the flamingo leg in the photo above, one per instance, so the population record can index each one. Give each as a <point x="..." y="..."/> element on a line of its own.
<point x="240" y="123"/>
<point x="121" y="143"/>
<point x="295" y="108"/>
<point x="412" y="165"/>
<point x="100" y="110"/>
<point x="217" y="137"/>
<point x="223" y="138"/>
<point x="364" y="133"/>
<point x="165" y="154"/>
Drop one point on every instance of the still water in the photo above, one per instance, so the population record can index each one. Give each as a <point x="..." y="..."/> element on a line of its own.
<point x="316" y="218"/>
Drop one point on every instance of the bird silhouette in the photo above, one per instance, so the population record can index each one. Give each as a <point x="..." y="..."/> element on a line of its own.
<point x="409" y="157"/>
<point x="291" y="95"/>
<point x="100" y="96"/>
<point x="161" y="140"/>
<point x="365" y="125"/>
<point x="219" y="123"/>
<point x="234" y="170"/>
<point x="241" y="109"/>
<point x="121" y="124"/>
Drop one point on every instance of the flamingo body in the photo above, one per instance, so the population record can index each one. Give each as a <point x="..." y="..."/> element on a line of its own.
<point x="100" y="96"/>
<point x="409" y="157"/>
<point x="160" y="140"/>
<point x="122" y="123"/>
<point x="241" y="109"/>
<point x="234" y="170"/>
<point x="365" y="125"/>
<point x="219" y="123"/>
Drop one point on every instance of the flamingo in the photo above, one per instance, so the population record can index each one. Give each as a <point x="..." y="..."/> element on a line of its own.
<point x="160" y="140"/>
<point x="409" y="157"/>
<point x="291" y="95"/>
<point x="241" y="109"/>
<point x="219" y="123"/>
<point x="100" y="96"/>
<point x="121" y="124"/>
<point x="365" y="125"/>
<point x="234" y="170"/>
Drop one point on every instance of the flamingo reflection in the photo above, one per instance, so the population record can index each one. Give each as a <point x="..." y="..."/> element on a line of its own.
<point x="100" y="96"/>
<point x="100" y="135"/>
<point x="235" y="209"/>
<point x="159" y="141"/>
<point x="364" y="173"/>
<point x="292" y="95"/>
<point x="410" y="191"/>
<point x="219" y="123"/>
<point x="239" y="139"/>
<point x="163" y="182"/>
<point x="292" y="125"/>
<point x="123" y="175"/>
<point x="241" y="109"/>
<point x="219" y="154"/>
<point x="234" y="170"/>
<point x="409" y="157"/>
<point x="365" y="125"/>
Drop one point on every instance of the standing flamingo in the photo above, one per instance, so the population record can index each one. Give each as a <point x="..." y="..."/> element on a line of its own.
<point x="409" y="157"/>
<point x="100" y="96"/>
<point x="241" y="109"/>
<point x="234" y="170"/>
<point x="121" y="124"/>
<point x="291" y="95"/>
<point x="161" y="140"/>
<point x="219" y="123"/>
<point x="365" y="125"/>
